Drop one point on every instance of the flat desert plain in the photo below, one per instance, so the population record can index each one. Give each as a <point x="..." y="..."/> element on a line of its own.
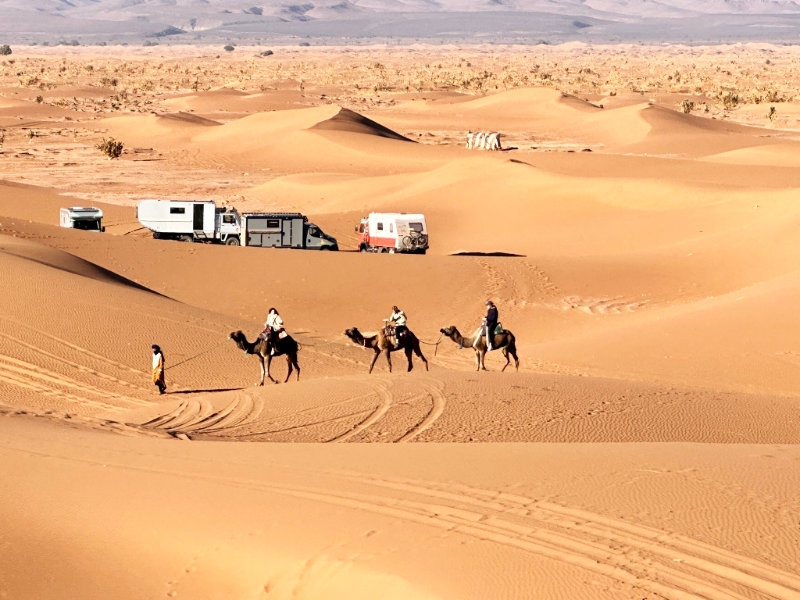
<point x="638" y="233"/>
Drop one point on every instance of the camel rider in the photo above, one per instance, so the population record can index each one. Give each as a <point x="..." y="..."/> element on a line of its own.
<point x="398" y="320"/>
<point x="489" y="324"/>
<point x="273" y="328"/>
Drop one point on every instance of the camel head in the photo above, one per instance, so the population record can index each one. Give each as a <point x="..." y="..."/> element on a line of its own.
<point x="448" y="331"/>
<point x="238" y="337"/>
<point x="354" y="334"/>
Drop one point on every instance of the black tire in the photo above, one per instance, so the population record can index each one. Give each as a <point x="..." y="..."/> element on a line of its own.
<point x="232" y="241"/>
<point x="407" y="242"/>
<point x="363" y="248"/>
<point x="422" y="240"/>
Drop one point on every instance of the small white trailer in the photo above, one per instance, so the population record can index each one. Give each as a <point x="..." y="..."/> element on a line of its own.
<point x="393" y="232"/>
<point x="190" y="221"/>
<point x="81" y="217"/>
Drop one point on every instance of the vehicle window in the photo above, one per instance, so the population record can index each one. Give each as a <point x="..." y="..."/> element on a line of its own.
<point x="380" y="226"/>
<point x="313" y="231"/>
<point x="228" y="219"/>
<point x="416" y="227"/>
<point x="391" y="227"/>
<point x="273" y="224"/>
<point x="361" y="228"/>
<point x="177" y="210"/>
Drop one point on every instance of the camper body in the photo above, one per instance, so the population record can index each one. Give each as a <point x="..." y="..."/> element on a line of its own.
<point x="190" y="221"/>
<point x="393" y="232"/>
<point x="284" y="230"/>
<point x="79" y="217"/>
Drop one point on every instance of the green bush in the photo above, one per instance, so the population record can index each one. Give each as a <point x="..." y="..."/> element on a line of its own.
<point x="5" y="50"/>
<point x="110" y="147"/>
<point x="229" y="48"/>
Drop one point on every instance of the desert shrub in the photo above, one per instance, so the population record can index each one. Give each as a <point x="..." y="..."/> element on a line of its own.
<point x="150" y="43"/>
<point x="39" y="99"/>
<point x="228" y="48"/>
<point x="687" y="106"/>
<point x="110" y="147"/>
<point x="773" y="113"/>
<point x="5" y="50"/>
<point x="730" y="100"/>
<point x="266" y="53"/>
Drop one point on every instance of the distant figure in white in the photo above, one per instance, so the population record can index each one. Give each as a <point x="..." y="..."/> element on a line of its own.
<point x="483" y="140"/>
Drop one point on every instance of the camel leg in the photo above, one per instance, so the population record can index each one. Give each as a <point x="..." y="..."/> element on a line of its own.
<point x="408" y="356"/>
<point x="389" y="359"/>
<point x="508" y="360"/>
<point x="289" y="364"/>
<point x="269" y="361"/>
<point x="418" y="352"/>
<point x="296" y="368"/>
<point x="478" y="360"/>
<point x="482" y="355"/>
<point x="262" y="370"/>
<point x="374" y="359"/>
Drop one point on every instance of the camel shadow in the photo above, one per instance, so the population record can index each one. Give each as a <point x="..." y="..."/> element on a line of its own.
<point x="205" y="391"/>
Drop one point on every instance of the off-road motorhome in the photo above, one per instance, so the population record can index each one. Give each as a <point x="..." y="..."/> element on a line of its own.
<point x="190" y="221"/>
<point x="393" y="232"/>
<point x="284" y="230"/>
<point x="79" y="217"/>
<point x="203" y="221"/>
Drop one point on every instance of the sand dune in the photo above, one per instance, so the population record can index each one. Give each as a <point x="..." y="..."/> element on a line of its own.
<point x="646" y="447"/>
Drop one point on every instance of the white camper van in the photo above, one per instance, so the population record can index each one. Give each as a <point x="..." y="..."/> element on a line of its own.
<point x="79" y="217"/>
<point x="393" y="232"/>
<point x="190" y="221"/>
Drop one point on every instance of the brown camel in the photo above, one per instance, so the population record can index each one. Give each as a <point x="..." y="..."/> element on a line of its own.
<point x="263" y="349"/>
<point x="504" y="341"/>
<point x="382" y="343"/>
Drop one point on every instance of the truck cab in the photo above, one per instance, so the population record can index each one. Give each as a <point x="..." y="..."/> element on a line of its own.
<point x="228" y="226"/>
<point x="318" y="239"/>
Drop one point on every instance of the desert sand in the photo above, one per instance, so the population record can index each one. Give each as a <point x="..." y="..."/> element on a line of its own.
<point x="642" y="250"/>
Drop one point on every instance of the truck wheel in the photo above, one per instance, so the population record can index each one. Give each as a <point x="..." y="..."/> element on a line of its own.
<point x="363" y="248"/>
<point x="407" y="241"/>
<point x="232" y="241"/>
<point x="423" y="240"/>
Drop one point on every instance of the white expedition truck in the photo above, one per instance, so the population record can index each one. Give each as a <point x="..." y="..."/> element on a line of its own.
<point x="189" y="221"/>
<point x="203" y="221"/>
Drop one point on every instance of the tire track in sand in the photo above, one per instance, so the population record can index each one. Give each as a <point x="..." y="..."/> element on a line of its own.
<point x="385" y="401"/>
<point x="26" y="375"/>
<point x="670" y="565"/>
<point x="434" y="390"/>
<point x="646" y="559"/>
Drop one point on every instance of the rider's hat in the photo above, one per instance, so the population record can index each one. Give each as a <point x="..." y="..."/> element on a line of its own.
<point x="489" y="303"/>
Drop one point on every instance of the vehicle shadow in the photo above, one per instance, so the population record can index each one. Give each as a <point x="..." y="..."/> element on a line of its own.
<point x="205" y="391"/>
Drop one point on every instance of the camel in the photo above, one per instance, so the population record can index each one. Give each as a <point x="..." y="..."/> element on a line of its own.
<point x="382" y="343"/>
<point x="262" y="349"/>
<point x="505" y="341"/>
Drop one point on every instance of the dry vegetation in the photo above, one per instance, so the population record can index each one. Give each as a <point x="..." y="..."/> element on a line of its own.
<point x="724" y="77"/>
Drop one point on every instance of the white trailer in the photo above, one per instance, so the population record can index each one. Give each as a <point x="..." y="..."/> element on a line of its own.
<point x="190" y="221"/>
<point x="80" y="217"/>
<point x="393" y="232"/>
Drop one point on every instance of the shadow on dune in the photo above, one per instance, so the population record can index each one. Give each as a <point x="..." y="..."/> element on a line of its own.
<point x="85" y="268"/>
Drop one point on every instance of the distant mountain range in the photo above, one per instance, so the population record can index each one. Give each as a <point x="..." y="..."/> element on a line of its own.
<point x="332" y="21"/>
